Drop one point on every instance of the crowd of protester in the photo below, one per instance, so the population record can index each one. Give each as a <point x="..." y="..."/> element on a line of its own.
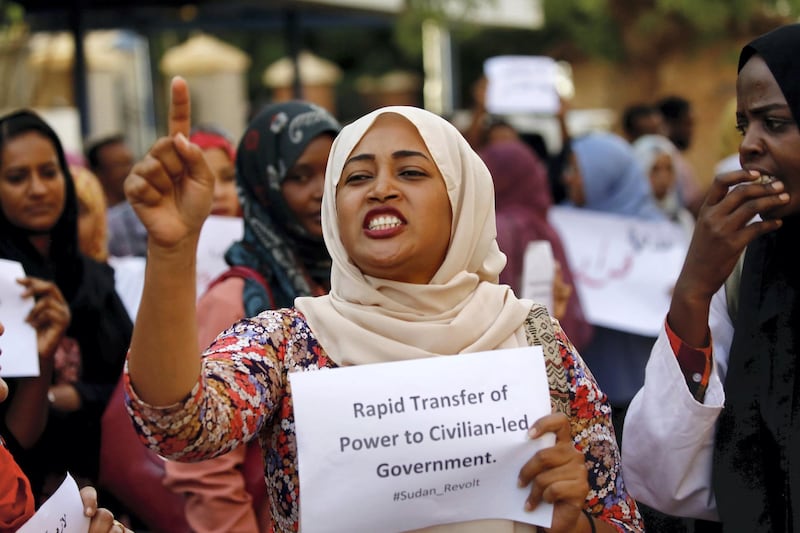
<point x="316" y="280"/>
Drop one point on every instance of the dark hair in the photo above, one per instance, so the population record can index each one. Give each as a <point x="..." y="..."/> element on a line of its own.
<point x="93" y="148"/>
<point x="537" y="143"/>
<point x="634" y="112"/>
<point x="64" y="234"/>
<point x="674" y="107"/>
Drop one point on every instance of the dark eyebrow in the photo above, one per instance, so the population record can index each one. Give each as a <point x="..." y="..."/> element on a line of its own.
<point x="764" y="109"/>
<point x="400" y="154"/>
<point x="360" y="157"/>
<point x="408" y="153"/>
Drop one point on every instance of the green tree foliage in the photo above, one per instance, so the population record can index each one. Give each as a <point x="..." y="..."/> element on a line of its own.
<point x="10" y="12"/>
<point x="11" y="20"/>
<point x="626" y="30"/>
<point x="583" y="26"/>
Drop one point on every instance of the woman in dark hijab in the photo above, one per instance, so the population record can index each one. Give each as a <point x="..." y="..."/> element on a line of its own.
<point x="282" y="231"/>
<point x="523" y="198"/>
<point x="716" y="428"/>
<point x="38" y="228"/>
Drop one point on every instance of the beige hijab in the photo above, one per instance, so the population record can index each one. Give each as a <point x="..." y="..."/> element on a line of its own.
<point x="369" y="320"/>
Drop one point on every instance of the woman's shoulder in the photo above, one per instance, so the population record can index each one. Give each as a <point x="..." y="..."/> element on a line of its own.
<point x="541" y="329"/>
<point x="302" y="350"/>
<point x="287" y="332"/>
<point x="280" y="326"/>
<point x="284" y="318"/>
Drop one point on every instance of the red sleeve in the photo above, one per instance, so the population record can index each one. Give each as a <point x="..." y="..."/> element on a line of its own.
<point x="16" y="499"/>
<point x="695" y="363"/>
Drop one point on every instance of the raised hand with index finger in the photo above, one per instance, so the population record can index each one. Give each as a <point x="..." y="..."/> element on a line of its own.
<point x="171" y="188"/>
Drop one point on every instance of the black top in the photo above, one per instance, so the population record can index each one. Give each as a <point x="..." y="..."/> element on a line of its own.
<point x="100" y="325"/>
<point x="756" y="466"/>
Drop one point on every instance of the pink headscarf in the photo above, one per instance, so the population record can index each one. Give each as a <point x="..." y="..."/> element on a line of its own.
<point x="207" y="139"/>
<point x="522" y="198"/>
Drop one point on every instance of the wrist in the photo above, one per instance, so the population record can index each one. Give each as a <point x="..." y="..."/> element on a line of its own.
<point x="164" y="261"/>
<point x="183" y="250"/>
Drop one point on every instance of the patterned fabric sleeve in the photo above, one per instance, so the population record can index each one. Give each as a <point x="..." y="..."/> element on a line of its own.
<point x="240" y="387"/>
<point x="593" y="434"/>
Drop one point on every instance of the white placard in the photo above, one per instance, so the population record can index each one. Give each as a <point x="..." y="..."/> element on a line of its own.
<point x="20" y="352"/>
<point x="61" y="513"/>
<point x="129" y="280"/>
<point x="624" y="268"/>
<point x="521" y="84"/>
<point x="411" y="444"/>
<point x="538" y="273"/>
<point x="217" y="235"/>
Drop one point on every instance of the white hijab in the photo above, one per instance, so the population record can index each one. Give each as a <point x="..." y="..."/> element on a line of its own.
<point x="369" y="320"/>
<point x="647" y="149"/>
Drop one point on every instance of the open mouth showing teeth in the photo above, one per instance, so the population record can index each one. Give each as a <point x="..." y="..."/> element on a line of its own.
<point x="764" y="179"/>
<point x="384" y="222"/>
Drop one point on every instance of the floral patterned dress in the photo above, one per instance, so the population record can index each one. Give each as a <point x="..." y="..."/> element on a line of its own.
<point x="244" y="393"/>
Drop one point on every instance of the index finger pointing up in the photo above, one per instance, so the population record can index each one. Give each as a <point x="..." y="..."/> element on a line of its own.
<point x="180" y="108"/>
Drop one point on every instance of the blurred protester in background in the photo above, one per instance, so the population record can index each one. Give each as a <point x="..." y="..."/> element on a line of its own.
<point x="39" y="228"/>
<point x="679" y="122"/>
<point x="280" y="170"/>
<point x="522" y="199"/>
<point x="729" y="140"/>
<point x="480" y="120"/>
<point x="605" y="176"/>
<point x="484" y="130"/>
<point x="111" y="160"/>
<point x="656" y="154"/>
<point x="221" y="157"/>
<point x="642" y="119"/>
<point x="92" y="225"/>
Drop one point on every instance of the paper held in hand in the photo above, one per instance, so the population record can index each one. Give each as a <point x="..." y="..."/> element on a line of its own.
<point x="20" y="353"/>
<point x="61" y="513"/>
<point x="406" y="445"/>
